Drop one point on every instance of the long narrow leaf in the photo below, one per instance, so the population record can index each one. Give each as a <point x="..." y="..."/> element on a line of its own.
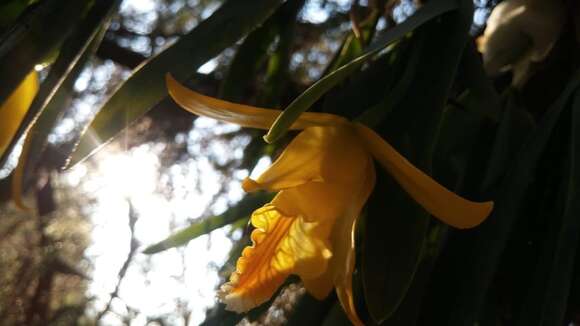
<point x="241" y="210"/>
<point x="146" y="86"/>
<point x="34" y="37"/>
<point x="546" y="301"/>
<point x="480" y="264"/>
<point x="72" y="51"/>
<point x="431" y="10"/>
<point x="396" y="230"/>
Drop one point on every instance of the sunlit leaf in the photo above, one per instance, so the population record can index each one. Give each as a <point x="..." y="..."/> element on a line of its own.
<point x="34" y="36"/>
<point x="241" y="210"/>
<point x="38" y="122"/>
<point x="146" y="86"/>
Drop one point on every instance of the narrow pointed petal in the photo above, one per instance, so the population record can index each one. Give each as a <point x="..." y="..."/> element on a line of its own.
<point x="281" y="246"/>
<point x="13" y="110"/>
<point x="243" y="115"/>
<point x="344" y="246"/>
<point x="317" y="154"/>
<point x="436" y="199"/>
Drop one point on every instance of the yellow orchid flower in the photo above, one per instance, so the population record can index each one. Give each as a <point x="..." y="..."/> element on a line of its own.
<point x="13" y="110"/>
<point x="323" y="179"/>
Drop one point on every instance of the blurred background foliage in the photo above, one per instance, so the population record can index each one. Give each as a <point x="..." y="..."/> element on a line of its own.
<point x="144" y="231"/>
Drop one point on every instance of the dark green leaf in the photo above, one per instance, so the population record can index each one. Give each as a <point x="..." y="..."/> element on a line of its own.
<point x="9" y="12"/>
<point x="353" y="46"/>
<point x="248" y="59"/>
<point x="453" y="153"/>
<point x="336" y="317"/>
<point x="277" y="72"/>
<point x="370" y="86"/>
<point x="241" y="210"/>
<point x="34" y="37"/>
<point x="303" y="102"/>
<point x="514" y="127"/>
<point x="395" y="228"/>
<point x="377" y="113"/>
<point x="481" y="97"/>
<point x="468" y="283"/>
<point x="546" y="301"/>
<point x="431" y="84"/>
<point x="408" y="312"/>
<point x="146" y="86"/>
<point x="68" y="65"/>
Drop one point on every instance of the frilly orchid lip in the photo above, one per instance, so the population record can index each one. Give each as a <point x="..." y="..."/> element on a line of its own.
<point x="323" y="179"/>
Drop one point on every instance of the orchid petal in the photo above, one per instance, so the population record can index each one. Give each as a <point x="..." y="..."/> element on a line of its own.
<point x="344" y="246"/>
<point x="282" y="246"/>
<point x="243" y="115"/>
<point x="13" y="110"/>
<point x="436" y="199"/>
<point x="320" y="286"/>
<point x="317" y="154"/>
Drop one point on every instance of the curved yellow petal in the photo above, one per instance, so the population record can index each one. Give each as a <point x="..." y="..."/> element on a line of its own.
<point x="343" y="262"/>
<point x="317" y="154"/>
<point x="319" y="287"/>
<point x="243" y="115"/>
<point x="13" y="110"/>
<point x="281" y="246"/>
<point x="436" y="199"/>
<point x="315" y="201"/>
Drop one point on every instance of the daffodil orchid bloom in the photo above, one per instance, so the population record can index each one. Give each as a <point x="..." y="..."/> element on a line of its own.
<point x="323" y="179"/>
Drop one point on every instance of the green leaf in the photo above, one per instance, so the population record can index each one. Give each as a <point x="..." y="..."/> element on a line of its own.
<point x="514" y="127"/>
<point x="146" y="86"/>
<point x="34" y="37"/>
<point x="481" y="96"/>
<point x="377" y="113"/>
<point x="452" y="155"/>
<point x="336" y="317"/>
<point x="395" y="228"/>
<point x="353" y="46"/>
<point x="409" y="310"/>
<point x="370" y="86"/>
<point x="428" y="92"/>
<point x="548" y="296"/>
<point x="248" y="59"/>
<point x="429" y="11"/>
<point x="241" y="210"/>
<point x="469" y="283"/>
<point x="9" y="12"/>
<point x="38" y="122"/>
<point x="277" y="72"/>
